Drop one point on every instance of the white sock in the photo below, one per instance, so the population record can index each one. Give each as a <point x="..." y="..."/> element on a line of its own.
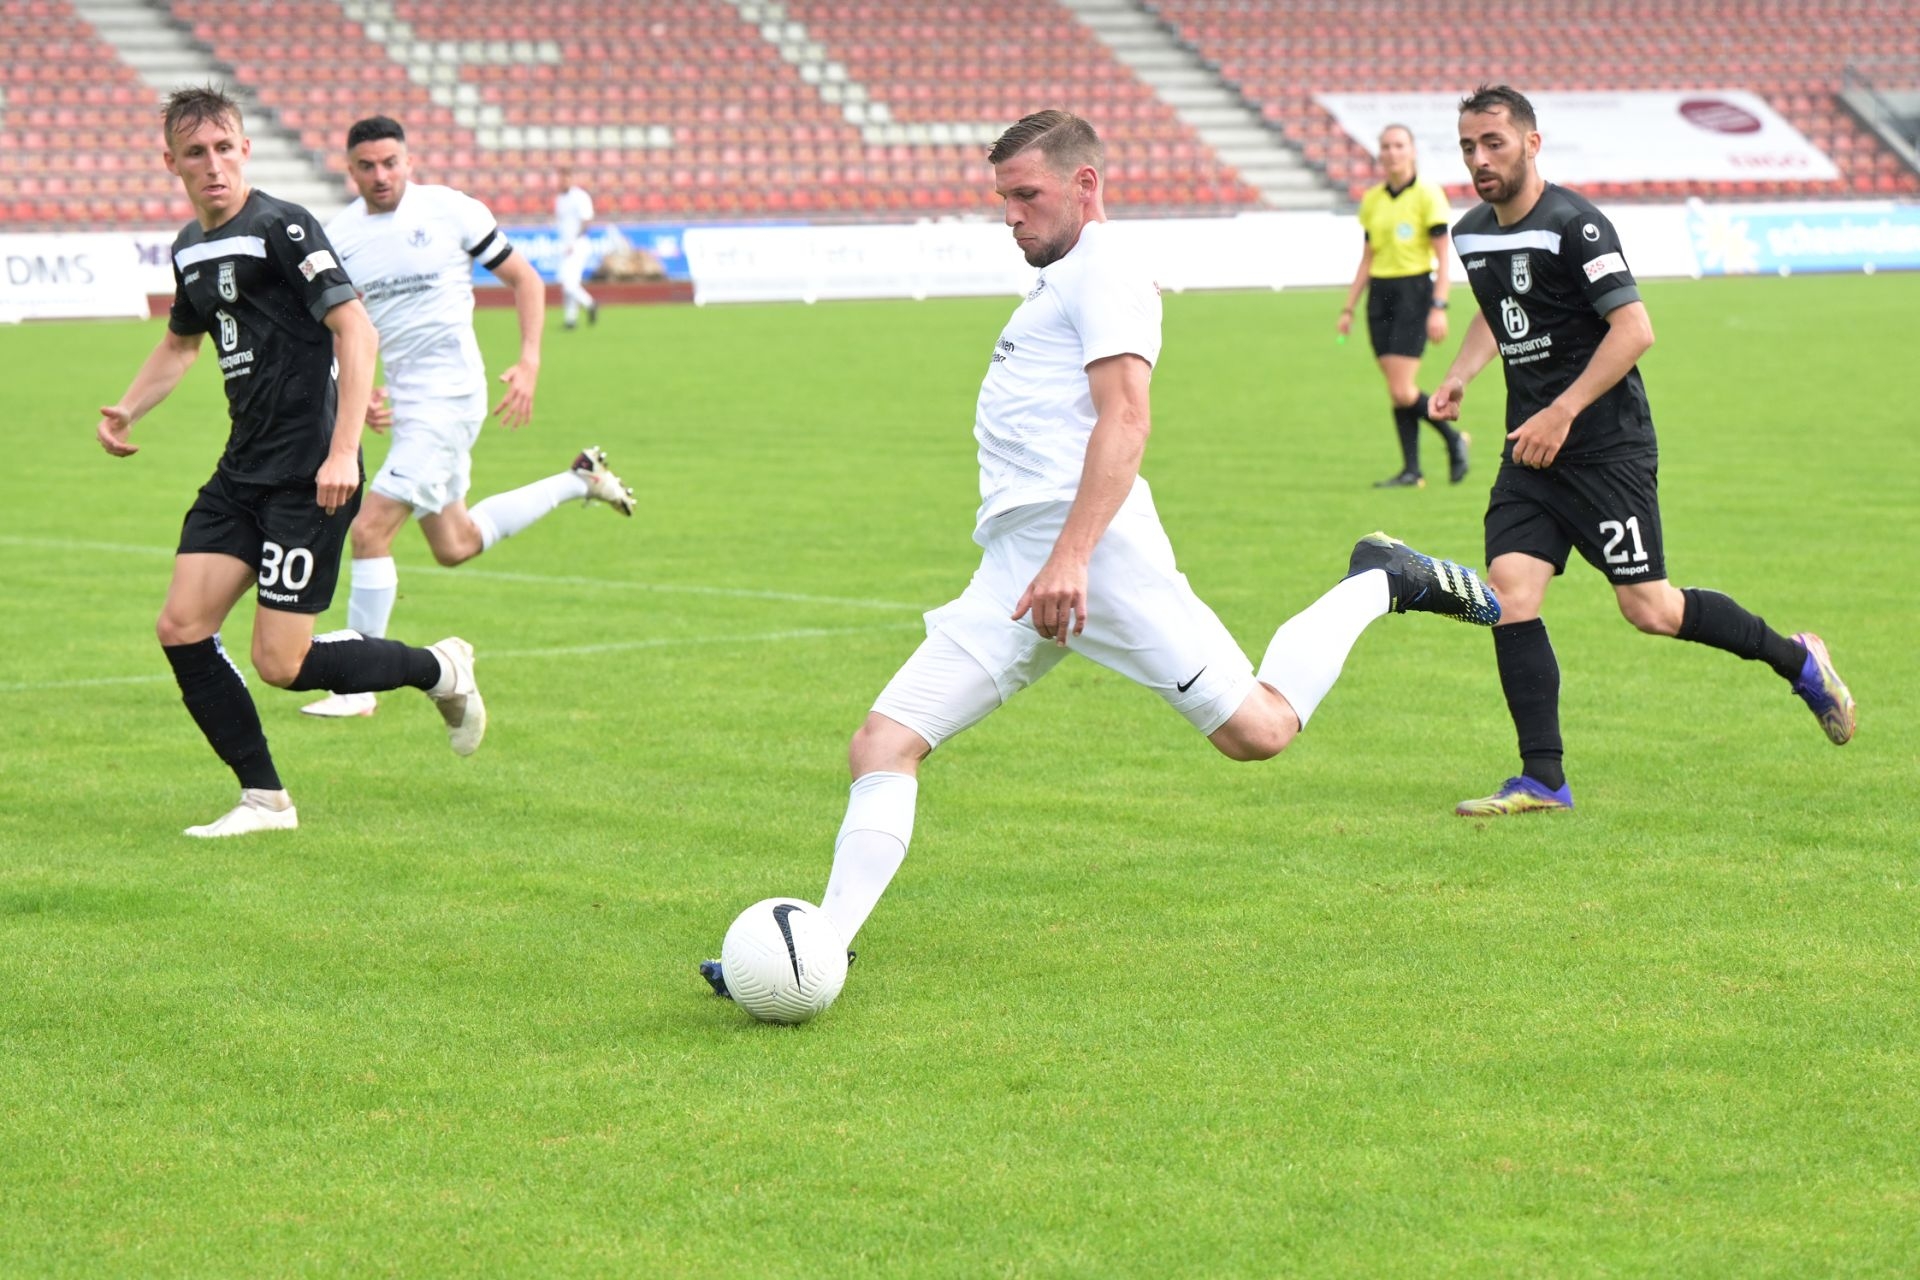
<point x="871" y="846"/>
<point x="505" y="514"/>
<point x="370" y="603"/>
<point x="1310" y="647"/>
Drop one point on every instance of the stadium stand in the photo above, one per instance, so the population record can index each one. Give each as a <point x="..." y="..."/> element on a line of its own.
<point x="77" y="136"/>
<point x="697" y="109"/>
<point x="1279" y="53"/>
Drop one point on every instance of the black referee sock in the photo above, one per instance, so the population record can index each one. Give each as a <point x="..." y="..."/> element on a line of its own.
<point x="1445" y="429"/>
<point x="1530" y="677"/>
<point x="1407" y="423"/>
<point x="348" y="662"/>
<point x="1711" y="618"/>
<point x="217" y="699"/>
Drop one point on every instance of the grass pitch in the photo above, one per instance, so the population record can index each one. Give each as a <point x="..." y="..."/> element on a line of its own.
<point x="1129" y="1009"/>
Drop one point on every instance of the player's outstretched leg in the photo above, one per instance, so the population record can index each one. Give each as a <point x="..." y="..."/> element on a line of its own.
<point x="348" y="662"/>
<point x="1420" y="583"/>
<point x="1824" y="692"/>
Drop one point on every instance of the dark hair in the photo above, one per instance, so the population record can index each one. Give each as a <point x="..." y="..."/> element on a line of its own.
<point x="188" y="109"/>
<point x="1064" y="139"/>
<point x="375" y="129"/>
<point x="1493" y="97"/>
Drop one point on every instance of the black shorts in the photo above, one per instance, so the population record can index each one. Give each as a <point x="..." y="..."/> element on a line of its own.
<point x="1610" y="510"/>
<point x="278" y="529"/>
<point x="1397" y="314"/>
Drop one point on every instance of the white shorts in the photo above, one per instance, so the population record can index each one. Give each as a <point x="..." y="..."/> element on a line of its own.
<point x="573" y="263"/>
<point x="430" y="462"/>
<point x="1143" y="621"/>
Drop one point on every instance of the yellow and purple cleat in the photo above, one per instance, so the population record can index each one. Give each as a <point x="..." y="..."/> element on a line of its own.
<point x="1824" y="692"/>
<point x="1518" y="795"/>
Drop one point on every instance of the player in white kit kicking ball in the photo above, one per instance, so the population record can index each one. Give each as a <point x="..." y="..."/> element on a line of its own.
<point x="410" y="247"/>
<point x="1073" y="553"/>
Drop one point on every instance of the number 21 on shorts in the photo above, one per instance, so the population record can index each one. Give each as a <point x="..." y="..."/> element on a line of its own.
<point x="279" y="566"/>
<point x="1617" y="532"/>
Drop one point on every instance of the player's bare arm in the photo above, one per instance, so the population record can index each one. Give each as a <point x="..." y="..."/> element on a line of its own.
<point x="530" y="304"/>
<point x="169" y="361"/>
<point x="1363" y="273"/>
<point x="1477" y="350"/>
<point x="1629" y="336"/>
<point x="1057" y="596"/>
<point x="355" y="346"/>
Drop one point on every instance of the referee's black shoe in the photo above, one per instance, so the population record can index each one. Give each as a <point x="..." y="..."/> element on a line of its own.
<point x="1418" y="582"/>
<point x="1402" y="480"/>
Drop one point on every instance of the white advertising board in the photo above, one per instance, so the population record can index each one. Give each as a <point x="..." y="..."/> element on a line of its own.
<point x="46" y="277"/>
<point x="1702" y="135"/>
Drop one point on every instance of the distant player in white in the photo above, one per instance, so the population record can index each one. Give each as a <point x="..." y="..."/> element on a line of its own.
<point x="572" y="214"/>
<point x="410" y="249"/>
<point x="1073" y="553"/>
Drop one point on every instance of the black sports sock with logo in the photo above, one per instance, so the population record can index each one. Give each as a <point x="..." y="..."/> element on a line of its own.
<point x="217" y="699"/>
<point x="348" y="662"/>
<point x="1407" y="424"/>
<point x="1445" y="429"/>
<point x="1711" y="618"/>
<point x="1530" y="677"/>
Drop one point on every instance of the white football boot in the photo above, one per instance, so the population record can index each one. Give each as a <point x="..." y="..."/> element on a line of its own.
<point x="257" y="811"/>
<point x="338" y="706"/>
<point x="458" y="697"/>
<point x="602" y="484"/>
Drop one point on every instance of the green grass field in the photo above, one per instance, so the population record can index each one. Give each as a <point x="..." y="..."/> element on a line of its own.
<point x="1129" y="1009"/>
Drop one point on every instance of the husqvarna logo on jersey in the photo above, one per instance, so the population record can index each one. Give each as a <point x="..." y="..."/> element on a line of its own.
<point x="1514" y="316"/>
<point x="228" y="286"/>
<point x="1522" y="272"/>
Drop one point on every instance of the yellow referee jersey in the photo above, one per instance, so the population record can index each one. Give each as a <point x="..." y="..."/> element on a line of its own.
<point x="1400" y="224"/>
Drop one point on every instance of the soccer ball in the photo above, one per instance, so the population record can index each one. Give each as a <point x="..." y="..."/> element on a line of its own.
<point x="784" y="960"/>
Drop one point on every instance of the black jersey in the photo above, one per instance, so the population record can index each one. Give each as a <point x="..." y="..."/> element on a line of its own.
<point x="261" y="282"/>
<point x="1545" y="285"/>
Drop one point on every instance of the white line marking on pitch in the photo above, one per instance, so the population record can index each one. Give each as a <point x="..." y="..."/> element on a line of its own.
<point x="560" y="651"/>
<point x="501" y="575"/>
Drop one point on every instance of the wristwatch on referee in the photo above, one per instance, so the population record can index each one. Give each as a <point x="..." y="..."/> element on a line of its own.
<point x="1440" y="304"/>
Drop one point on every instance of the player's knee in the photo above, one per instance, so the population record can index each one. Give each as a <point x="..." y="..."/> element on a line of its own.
<point x="368" y="543"/>
<point x="171" y="629"/>
<point x="1250" y="748"/>
<point x="450" y="554"/>
<point x="1654" y="617"/>
<point x="881" y="744"/>
<point x="279" y="667"/>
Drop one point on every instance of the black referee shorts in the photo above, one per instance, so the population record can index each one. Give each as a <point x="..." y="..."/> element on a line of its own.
<point x="280" y="530"/>
<point x="1397" y="310"/>
<point x="1609" y="510"/>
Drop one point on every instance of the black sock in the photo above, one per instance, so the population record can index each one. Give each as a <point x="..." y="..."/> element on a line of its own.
<point x="348" y="662"/>
<point x="1711" y="618"/>
<point x="1445" y="429"/>
<point x="217" y="699"/>
<point x="1530" y="677"/>
<point x="1407" y="423"/>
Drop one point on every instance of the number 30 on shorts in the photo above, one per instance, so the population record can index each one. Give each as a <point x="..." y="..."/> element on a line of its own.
<point x="1617" y="533"/>
<point x="281" y="567"/>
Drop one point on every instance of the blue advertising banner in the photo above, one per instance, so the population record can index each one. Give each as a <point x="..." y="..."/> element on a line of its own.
<point x="1730" y="240"/>
<point x="542" y="247"/>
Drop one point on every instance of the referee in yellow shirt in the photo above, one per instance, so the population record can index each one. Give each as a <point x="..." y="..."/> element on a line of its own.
<point x="1403" y="268"/>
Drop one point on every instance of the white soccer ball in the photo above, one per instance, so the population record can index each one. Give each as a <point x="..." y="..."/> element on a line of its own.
<point x="784" y="961"/>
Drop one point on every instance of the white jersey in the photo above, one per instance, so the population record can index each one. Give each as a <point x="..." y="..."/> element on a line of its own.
<point x="1035" y="412"/>
<point x="572" y="210"/>
<point x="414" y="270"/>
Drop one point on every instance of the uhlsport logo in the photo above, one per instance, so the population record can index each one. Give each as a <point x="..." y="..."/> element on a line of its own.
<point x="1514" y="316"/>
<point x="228" y="286"/>
<point x="1522" y="272"/>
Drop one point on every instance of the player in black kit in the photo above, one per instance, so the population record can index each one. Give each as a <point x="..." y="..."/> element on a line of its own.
<point x="1559" y="306"/>
<point x="297" y="352"/>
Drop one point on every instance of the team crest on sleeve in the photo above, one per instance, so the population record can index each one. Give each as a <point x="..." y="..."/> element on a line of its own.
<point x="228" y="286"/>
<point x="1522" y="272"/>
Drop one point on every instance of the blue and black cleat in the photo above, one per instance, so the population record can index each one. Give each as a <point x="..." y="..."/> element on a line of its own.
<point x="1420" y="583"/>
